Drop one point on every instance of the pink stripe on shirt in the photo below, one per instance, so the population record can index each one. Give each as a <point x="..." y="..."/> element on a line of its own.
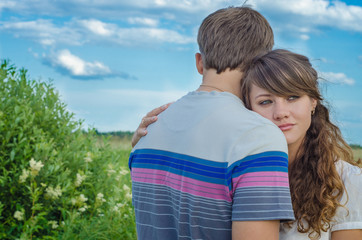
<point x="181" y="183"/>
<point x="267" y="179"/>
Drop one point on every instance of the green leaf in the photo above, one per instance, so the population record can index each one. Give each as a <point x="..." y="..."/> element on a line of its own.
<point x="12" y="154"/>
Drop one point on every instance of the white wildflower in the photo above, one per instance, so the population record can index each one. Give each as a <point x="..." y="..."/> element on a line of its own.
<point x="111" y="171"/>
<point x="100" y="198"/>
<point x="128" y="196"/>
<point x="118" y="206"/>
<point x="53" y="193"/>
<point x="126" y="188"/>
<point x="79" y="201"/>
<point x="123" y="172"/>
<point x="88" y="158"/>
<point x="54" y="224"/>
<point x="19" y="215"/>
<point x="35" y="167"/>
<point x="82" y="198"/>
<point x="79" y="180"/>
<point x="83" y="209"/>
<point x="24" y="176"/>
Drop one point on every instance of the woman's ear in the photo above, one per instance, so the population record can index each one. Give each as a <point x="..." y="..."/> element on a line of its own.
<point x="314" y="104"/>
<point x="199" y="63"/>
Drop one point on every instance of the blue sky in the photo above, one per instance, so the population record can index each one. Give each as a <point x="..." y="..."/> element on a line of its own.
<point x="114" y="60"/>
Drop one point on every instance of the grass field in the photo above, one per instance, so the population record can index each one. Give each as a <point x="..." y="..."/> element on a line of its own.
<point x="124" y="143"/>
<point x="357" y="152"/>
<point x="116" y="142"/>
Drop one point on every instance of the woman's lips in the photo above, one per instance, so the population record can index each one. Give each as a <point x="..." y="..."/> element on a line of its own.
<point x="286" y="127"/>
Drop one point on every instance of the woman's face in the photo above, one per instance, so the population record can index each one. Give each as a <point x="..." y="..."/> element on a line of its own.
<point x="291" y="114"/>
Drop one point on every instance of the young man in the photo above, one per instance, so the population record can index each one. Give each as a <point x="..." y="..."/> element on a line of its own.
<point x="209" y="168"/>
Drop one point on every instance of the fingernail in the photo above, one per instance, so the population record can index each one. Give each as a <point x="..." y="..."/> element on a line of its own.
<point x="154" y="118"/>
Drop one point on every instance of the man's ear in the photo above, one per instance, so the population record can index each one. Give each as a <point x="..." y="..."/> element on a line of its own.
<point x="199" y="63"/>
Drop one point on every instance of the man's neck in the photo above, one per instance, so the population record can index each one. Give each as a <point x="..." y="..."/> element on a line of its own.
<point x="227" y="81"/>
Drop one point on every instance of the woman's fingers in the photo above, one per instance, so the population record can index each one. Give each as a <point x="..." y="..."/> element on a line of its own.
<point x="150" y="118"/>
<point x="157" y="111"/>
<point x="146" y="121"/>
<point x="142" y="129"/>
<point x="140" y="132"/>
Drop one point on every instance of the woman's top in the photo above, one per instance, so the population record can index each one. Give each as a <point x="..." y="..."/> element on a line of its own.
<point x="348" y="217"/>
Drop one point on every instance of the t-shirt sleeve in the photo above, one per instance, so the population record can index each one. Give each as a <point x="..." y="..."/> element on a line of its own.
<point x="260" y="181"/>
<point x="350" y="216"/>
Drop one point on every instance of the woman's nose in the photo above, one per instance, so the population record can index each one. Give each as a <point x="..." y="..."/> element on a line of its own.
<point x="281" y="110"/>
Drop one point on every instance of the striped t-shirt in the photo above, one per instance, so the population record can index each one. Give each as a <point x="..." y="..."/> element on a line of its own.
<point x="206" y="162"/>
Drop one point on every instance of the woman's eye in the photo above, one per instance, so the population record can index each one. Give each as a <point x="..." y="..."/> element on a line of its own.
<point x="293" y="97"/>
<point x="264" y="102"/>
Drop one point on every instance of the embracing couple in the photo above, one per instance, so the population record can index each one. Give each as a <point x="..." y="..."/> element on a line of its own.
<point x="251" y="153"/>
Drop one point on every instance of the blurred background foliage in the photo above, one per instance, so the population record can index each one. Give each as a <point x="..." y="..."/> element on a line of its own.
<point x="57" y="180"/>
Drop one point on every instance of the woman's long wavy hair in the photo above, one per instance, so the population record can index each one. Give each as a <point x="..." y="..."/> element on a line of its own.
<point x="316" y="186"/>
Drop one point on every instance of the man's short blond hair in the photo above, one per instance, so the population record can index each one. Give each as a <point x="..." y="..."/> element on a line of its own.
<point x="231" y="37"/>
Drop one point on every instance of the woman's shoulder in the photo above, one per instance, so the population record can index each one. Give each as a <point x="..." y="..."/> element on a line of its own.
<point x="347" y="170"/>
<point x="349" y="216"/>
<point x="351" y="176"/>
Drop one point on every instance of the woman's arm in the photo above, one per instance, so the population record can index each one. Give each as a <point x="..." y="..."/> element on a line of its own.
<point x="255" y="230"/>
<point x="150" y="118"/>
<point x="354" y="234"/>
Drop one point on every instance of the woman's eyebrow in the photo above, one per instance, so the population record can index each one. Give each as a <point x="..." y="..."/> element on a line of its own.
<point x="263" y="95"/>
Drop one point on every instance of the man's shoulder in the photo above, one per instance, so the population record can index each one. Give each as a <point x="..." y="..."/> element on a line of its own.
<point x="247" y="120"/>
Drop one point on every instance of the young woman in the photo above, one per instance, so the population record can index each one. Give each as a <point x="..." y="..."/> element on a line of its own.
<point x="325" y="182"/>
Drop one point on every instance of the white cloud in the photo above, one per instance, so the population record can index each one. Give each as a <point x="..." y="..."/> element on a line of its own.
<point x="73" y="65"/>
<point x="150" y="35"/>
<point x="69" y="64"/>
<point x="315" y="13"/>
<point x="143" y="21"/>
<point x="79" y="67"/>
<point x="304" y="30"/>
<point x="113" y="9"/>
<point x="107" y="32"/>
<point x="304" y="37"/>
<point x="193" y="5"/>
<point x="312" y="12"/>
<point x="97" y="27"/>
<point x="160" y="2"/>
<point x="6" y="4"/>
<point x="339" y="78"/>
<point x="304" y="17"/>
<point x="43" y="31"/>
<point x="79" y="32"/>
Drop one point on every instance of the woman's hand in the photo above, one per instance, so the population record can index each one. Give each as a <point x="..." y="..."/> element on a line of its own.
<point x="150" y="118"/>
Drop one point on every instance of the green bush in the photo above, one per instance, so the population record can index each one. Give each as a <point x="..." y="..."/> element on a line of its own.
<point x="56" y="181"/>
